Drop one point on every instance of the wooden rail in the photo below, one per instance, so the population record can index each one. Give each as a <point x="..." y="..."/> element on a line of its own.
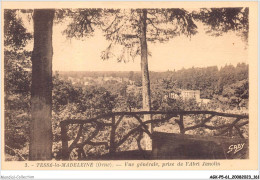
<point x="110" y="120"/>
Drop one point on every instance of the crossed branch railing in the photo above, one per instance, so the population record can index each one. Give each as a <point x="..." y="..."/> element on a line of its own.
<point x="110" y="120"/>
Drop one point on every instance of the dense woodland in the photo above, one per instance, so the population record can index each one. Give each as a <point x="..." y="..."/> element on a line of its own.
<point x="29" y="83"/>
<point x="209" y="80"/>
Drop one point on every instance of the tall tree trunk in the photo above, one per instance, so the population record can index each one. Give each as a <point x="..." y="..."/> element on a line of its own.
<point x="41" y="90"/>
<point x="145" y="75"/>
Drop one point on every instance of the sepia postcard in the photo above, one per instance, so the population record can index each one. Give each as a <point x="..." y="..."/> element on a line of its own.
<point x="129" y="86"/>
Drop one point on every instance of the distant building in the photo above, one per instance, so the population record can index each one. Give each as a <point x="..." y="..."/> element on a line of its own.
<point x="70" y="78"/>
<point x="188" y="94"/>
<point x="205" y="101"/>
<point x="131" y="82"/>
<point x="108" y="78"/>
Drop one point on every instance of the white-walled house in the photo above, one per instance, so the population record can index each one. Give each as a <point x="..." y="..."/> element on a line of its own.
<point x="188" y="94"/>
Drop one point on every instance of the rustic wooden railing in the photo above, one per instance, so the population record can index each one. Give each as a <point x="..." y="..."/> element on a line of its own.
<point x="113" y="120"/>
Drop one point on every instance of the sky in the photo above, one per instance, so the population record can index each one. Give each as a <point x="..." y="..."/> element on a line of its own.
<point x="180" y="52"/>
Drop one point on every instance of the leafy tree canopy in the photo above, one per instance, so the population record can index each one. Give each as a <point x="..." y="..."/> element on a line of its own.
<point x="123" y="30"/>
<point x="222" y="20"/>
<point x="15" y="34"/>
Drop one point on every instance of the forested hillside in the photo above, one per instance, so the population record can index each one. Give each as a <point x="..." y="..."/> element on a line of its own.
<point x="209" y="80"/>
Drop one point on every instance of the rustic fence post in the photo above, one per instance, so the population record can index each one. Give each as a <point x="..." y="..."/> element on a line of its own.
<point x="181" y="125"/>
<point x="112" y="147"/>
<point x="64" y="138"/>
<point x="230" y="132"/>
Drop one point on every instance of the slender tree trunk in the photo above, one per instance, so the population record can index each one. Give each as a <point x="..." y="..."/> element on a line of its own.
<point x="41" y="90"/>
<point x="145" y="75"/>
